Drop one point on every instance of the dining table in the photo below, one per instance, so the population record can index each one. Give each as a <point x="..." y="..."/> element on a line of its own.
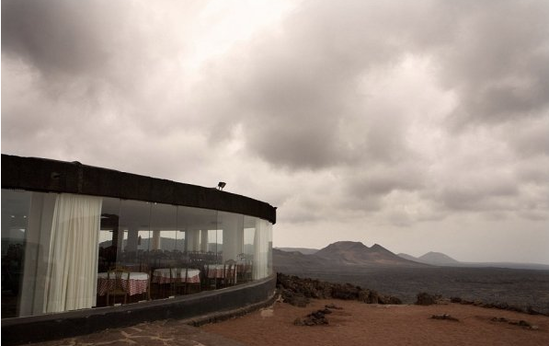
<point x="170" y="275"/>
<point x="217" y="271"/>
<point x="138" y="283"/>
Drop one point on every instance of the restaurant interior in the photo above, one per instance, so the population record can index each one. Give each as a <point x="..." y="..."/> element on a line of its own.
<point x="63" y="252"/>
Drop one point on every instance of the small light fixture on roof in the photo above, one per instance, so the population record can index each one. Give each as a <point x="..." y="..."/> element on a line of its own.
<point x="221" y="185"/>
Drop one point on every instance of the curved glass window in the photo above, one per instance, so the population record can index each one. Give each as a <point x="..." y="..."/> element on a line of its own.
<point x="63" y="252"/>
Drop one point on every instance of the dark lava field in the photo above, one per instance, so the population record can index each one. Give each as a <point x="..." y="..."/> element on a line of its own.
<point x="516" y="287"/>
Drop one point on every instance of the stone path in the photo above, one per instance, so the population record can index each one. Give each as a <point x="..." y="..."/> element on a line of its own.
<point x="159" y="333"/>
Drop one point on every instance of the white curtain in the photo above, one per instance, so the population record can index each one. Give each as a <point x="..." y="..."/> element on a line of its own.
<point x="261" y="250"/>
<point x="71" y="279"/>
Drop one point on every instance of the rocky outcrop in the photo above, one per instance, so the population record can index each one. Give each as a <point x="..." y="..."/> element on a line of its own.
<point x="501" y="306"/>
<point x="425" y="298"/>
<point x="444" y="317"/>
<point x="520" y="323"/>
<point x="297" y="291"/>
<point x="315" y="318"/>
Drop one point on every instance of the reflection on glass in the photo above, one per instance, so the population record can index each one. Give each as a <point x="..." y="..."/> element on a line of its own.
<point x="135" y="219"/>
<point x="15" y="214"/>
<point x="144" y="240"/>
<point x="172" y="240"/>
<point x="108" y="234"/>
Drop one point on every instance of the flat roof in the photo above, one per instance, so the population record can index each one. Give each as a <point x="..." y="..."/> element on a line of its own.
<point x="46" y="175"/>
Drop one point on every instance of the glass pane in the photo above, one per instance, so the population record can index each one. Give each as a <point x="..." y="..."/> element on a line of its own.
<point x="249" y="235"/>
<point x="164" y="226"/>
<point x="199" y="241"/>
<point x="15" y="211"/>
<point x="108" y="235"/>
<point x="135" y="238"/>
<point x="164" y="235"/>
<point x="248" y="248"/>
<point x="35" y="255"/>
<point x="232" y="226"/>
<point x="144" y="239"/>
<point x="258" y="245"/>
<point x="212" y="240"/>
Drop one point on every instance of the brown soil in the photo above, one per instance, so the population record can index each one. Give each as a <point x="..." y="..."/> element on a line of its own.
<point x="360" y="324"/>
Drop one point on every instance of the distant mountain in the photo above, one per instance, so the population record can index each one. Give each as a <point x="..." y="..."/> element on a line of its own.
<point x="334" y="257"/>
<point x="437" y="258"/>
<point x="305" y="251"/>
<point x="356" y="253"/>
<point x="510" y="265"/>
<point x="432" y="258"/>
<point x="408" y="257"/>
<point x="442" y="260"/>
<point x="289" y="262"/>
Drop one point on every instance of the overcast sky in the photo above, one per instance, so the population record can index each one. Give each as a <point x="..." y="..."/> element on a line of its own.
<point x="419" y="125"/>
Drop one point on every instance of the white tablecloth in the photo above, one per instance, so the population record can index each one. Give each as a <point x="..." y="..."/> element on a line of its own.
<point x="163" y="276"/>
<point x="139" y="283"/>
<point x="217" y="271"/>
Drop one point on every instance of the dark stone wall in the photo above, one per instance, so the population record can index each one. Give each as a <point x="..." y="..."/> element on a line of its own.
<point x="38" y="174"/>
<point x="22" y="330"/>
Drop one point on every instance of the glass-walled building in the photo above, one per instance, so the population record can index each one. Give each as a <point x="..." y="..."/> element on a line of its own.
<point x="78" y="237"/>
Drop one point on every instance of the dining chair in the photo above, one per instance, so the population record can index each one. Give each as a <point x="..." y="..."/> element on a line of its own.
<point x="145" y="268"/>
<point x="245" y="272"/>
<point x="178" y="279"/>
<point x="209" y="277"/>
<point x="116" y="285"/>
<point x="229" y="273"/>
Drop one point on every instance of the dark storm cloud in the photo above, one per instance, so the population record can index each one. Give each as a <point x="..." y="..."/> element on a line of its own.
<point x="67" y="50"/>
<point x="497" y="62"/>
<point x="60" y="36"/>
<point x="530" y="139"/>
<point x="315" y="92"/>
<point x="300" y="87"/>
<point x="486" y="196"/>
<point x="298" y="95"/>
<point x="90" y="70"/>
<point x="97" y="46"/>
<point x="382" y="180"/>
